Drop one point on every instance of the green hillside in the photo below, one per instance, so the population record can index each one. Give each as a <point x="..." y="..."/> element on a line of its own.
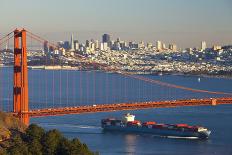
<point x="17" y="139"/>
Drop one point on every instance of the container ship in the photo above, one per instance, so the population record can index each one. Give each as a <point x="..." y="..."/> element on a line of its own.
<point x="129" y="124"/>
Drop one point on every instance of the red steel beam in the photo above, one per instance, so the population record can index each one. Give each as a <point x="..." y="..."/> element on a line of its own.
<point x="126" y="106"/>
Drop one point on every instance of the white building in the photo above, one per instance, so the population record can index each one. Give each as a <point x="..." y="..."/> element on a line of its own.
<point x="104" y="47"/>
<point x="72" y="44"/>
<point x="203" y="45"/>
<point x="76" y="45"/>
<point x="159" y="45"/>
<point x="173" y="47"/>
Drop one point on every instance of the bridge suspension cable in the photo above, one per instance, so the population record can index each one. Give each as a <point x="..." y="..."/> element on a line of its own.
<point x="175" y="86"/>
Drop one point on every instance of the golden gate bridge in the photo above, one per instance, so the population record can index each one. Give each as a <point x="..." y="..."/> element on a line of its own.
<point x="20" y="97"/>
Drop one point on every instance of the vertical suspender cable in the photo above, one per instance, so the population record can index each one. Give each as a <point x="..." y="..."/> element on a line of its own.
<point x="46" y="80"/>
<point x="60" y="84"/>
<point x="53" y="82"/>
<point x="74" y="88"/>
<point x="9" y="93"/>
<point x="80" y="86"/>
<point x="94" y="88"/>
<point x="67" y="91"/>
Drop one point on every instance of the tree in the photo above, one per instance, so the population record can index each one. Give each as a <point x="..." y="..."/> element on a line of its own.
<point x="18" y="147"/>
<point x="35" y="141"/>
<point x="77" y="148"/>
<point x="34" y="132"/>
<point x="51" y="141"/>
<point x="64" y="147"/>
<point x="35" y="147"/>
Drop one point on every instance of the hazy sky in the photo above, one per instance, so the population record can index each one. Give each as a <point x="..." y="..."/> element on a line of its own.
<point x="185" y="22"/>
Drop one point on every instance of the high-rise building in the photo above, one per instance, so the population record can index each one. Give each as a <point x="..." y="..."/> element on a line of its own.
<point x="149" y="45"/>
<point x="123" y="45"/>
<point x="87" y="43"/>
<point x="72" y="43"/>
<point x="141" y="45"/>
<point x="92" y="46"/>
<point x="163" y="46"/>
<point x="96" y="42"/>
<point x="106" y="38"/>
<point x="203" y="45"/>
<point x="76" y="45"/>
<point x="159" y="45"/>
<point x="173" y="47"/>
<point x="46" y="49"/>
<point x="104" y="47"/>
<point x="66" y="45"/>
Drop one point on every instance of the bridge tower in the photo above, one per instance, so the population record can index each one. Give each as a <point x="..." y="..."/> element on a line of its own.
<point x="20" y="90"/>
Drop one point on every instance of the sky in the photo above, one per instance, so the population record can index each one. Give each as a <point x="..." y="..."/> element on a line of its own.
<point x="184" y="22"/>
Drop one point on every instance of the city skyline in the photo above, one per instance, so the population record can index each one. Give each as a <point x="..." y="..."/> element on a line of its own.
<point x="185" y="23"/>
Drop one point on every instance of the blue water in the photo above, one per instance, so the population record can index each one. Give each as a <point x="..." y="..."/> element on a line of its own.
<point x="61" y="88"/>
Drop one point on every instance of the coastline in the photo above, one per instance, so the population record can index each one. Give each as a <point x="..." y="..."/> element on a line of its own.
<point x="158" y="73"/>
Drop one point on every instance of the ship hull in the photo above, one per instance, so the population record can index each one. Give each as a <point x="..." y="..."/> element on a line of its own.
<point x="160" y="132"/>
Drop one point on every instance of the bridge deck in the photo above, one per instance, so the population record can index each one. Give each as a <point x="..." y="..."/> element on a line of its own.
<point x="126" y="106"/>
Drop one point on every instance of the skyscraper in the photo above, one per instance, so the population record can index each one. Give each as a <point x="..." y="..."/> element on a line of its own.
<point x="159" y="45"/>
<point x="173" y="47"/>
<point x="76" y="45"/>
<point x="46" y="49"/>
<point x="87" y="43"/>
<point x="203" y="45"/>
<point x="72" y="44"/>
<point x="106" y="38"/>
<point x="96" y="44"/>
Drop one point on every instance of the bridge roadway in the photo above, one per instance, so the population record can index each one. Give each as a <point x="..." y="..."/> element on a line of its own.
<point x="126" y="106"/>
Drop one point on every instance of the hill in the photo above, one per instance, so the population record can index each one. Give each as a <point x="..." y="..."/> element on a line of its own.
<point x="17" y="139"/>
<point x="9" y="125"/>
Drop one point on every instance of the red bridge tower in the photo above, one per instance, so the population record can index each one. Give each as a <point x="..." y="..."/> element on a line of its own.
<point x="20" y="89"/>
